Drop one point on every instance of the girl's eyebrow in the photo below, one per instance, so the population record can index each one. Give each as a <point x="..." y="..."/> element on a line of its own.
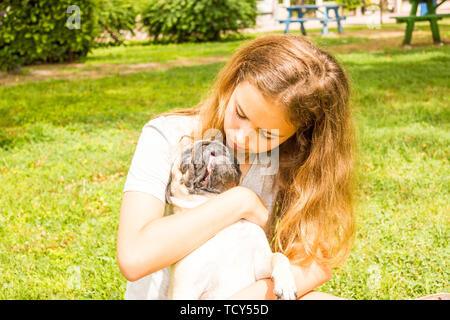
<point x="242" y="112"/>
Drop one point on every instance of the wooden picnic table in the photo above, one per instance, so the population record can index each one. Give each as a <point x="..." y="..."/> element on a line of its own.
<point x="431" y="16"/>
<point x="304" y="9"/>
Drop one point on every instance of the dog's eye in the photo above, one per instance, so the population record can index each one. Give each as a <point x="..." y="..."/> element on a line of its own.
<point x="184" y="167"/>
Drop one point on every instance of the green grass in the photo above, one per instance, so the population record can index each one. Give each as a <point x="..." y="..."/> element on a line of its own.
<point x="66" y="146"/>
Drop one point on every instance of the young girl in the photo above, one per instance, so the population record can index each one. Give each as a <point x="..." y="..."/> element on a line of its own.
<point x="277" y="93"/>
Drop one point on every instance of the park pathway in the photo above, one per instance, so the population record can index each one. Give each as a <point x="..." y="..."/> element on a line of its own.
<point x="65" y="71"/>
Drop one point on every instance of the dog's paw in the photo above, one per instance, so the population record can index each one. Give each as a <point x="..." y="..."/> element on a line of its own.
<point x="284" y="286"/>
<point x="283" y="279"/>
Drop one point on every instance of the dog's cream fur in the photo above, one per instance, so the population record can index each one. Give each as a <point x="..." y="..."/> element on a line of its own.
<point x="233" y="259"/>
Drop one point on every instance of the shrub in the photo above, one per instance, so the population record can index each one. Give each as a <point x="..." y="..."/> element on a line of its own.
<point x="352" y="4"/>
<point x="116" y="16"/>
<point x="197" y="20"/>
<point x="33" y="31"/>
<point x="38" y="31"/>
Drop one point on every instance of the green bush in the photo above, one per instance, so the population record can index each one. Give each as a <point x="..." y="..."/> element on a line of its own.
<point x="197" y="20"/>
<point x="38" y="31"/>
<point x="33" y="31"/>
<point x="116" y="16"/>
<point x="352" y="4"/>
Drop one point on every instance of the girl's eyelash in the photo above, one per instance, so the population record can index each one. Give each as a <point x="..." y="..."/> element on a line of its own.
<point x="242" y="117"/>
<point x="237" y="113"/>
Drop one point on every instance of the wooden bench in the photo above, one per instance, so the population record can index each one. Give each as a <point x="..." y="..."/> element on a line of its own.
<point x="423" y="18"/>
<point x="431" y="16"/>
<point x="303" y="9"/>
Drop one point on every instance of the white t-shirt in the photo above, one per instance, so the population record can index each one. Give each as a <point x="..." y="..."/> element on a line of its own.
<point x="149" y="172"/>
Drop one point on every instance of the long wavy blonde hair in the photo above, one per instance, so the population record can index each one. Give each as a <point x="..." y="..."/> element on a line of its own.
<point x="313" y="219"/>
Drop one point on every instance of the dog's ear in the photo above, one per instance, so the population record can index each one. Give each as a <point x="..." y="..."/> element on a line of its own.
<point x="184" y="142"/>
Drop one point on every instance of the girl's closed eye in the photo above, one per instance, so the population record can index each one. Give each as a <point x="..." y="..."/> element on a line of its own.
<point x="238" y="114"/>
<point x="261" y="132"/>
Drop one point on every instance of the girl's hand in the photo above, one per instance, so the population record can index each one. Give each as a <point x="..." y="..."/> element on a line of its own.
<point x="253" y="208"/>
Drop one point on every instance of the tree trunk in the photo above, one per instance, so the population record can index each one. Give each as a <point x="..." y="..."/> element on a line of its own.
<point x="381" y="12"/>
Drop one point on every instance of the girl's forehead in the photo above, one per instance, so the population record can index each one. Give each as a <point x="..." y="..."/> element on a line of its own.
<point x="262" y="112"/>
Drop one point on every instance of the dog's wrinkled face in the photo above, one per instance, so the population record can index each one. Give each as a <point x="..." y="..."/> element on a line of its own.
<point x="203" y="167"/>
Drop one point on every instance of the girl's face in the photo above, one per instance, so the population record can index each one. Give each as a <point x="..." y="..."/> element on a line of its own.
<point x="254" y="124"/>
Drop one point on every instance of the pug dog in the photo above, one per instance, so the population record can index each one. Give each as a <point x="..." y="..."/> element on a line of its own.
<point x="235" y="257"/>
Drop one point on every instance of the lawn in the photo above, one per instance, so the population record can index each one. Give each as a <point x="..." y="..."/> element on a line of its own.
<point x="66" y="146"/>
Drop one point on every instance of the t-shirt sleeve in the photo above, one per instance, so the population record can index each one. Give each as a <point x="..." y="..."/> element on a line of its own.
<point x="150" y="167"/>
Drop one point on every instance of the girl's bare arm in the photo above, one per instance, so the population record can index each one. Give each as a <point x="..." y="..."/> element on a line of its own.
<point x="148" y="241"/>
